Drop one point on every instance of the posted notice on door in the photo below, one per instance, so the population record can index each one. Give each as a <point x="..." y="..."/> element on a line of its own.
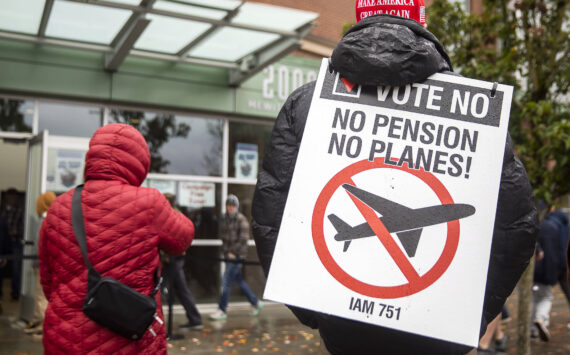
<point x="390" y="213"/>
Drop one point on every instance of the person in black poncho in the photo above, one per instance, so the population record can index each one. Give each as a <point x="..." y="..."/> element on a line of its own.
<point x="381" y="50"/>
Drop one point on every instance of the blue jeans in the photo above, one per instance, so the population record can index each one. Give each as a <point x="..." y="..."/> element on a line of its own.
<point x="231" y="275"/>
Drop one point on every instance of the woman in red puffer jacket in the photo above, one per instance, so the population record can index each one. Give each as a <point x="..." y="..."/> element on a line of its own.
<point x="125" y="226"/>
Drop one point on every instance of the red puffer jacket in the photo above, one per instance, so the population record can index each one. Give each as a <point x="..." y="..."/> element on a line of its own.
<point x="125" y="225"/>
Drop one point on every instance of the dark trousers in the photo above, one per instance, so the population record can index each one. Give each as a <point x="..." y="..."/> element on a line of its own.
<point x="1" y="281"/>
<point x="563" y="281"/>
<point x="174" y="277"/>
<point x="17" y="251"/>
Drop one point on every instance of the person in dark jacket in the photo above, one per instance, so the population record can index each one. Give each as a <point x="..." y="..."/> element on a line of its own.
<point x="561" y="219"/>
<point x="549" y="267"/>
<point x="5" y="250"/>
<point x="389" y="50"/>
<point x="234" y="234"/>
<point x="175" y="281"/>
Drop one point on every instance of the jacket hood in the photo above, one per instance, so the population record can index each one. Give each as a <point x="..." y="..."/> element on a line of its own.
<point x="389" y="50"/>
<point x="559" y="216"/>
<point x="117" y="152"/>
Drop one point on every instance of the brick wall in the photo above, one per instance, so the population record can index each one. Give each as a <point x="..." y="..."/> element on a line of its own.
<point x="332" y="15"/>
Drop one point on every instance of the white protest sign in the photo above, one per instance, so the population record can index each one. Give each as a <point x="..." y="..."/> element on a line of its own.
<point x="390" y="213"/>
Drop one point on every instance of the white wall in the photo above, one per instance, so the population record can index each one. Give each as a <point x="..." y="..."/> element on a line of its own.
<point x="13" y="165"/>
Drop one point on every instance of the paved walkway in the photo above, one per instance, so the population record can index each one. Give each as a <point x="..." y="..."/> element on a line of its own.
<point x="275" y="330"/>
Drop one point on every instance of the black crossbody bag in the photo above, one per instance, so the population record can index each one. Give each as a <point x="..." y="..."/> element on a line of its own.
<point x="109" y="302"/>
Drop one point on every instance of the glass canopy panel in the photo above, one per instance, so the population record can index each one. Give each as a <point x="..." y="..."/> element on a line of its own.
<point x="221" y="4"/>
<point x="83" y="22"/>
<point x="167" y="34"/>
<point x="273" y="17"/>
<point x="231" y="44"/>
<point x="190" y="10"/>
<point x="127" y="2"/>
<point x="21" y="15"/>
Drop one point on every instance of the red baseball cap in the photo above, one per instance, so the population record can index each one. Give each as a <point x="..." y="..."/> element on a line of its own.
<point x="414" y="9"/>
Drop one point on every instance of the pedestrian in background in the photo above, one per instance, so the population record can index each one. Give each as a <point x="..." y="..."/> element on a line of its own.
<point x="561" y="220"/>
<point x="43" y="203"/>
<point x="234" y="234"/>
<point x="125" y="226"/>
<point x="387" y="50"/>
<point x="548" y="269"/>
<point x="175" y="281"/>
<point x="5" y="251"/>
<point x="14" y="217"/>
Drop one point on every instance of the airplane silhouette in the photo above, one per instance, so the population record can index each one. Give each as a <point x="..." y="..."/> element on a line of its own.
<point x="406" y="222"/>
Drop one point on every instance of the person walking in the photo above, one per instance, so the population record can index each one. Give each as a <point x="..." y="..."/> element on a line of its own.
<point x="43" y="203"/>
<point x="561" y="220"/>
<point x="13" y="215"/>
<point x="234" y="234"/>
<point x="5" y="251"/>
<point x="549" y="267"/>
<point x="125" y="226"/>
<point x="175" y="281"/>
<point x="388" y="50"/>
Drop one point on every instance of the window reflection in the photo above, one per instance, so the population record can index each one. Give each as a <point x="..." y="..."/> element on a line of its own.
<point x="69" y="120"/>
<point x="64" y="169"/>
<point x="199" y="201"/>
<point x="16" y="115"/>
<point x="178" y="144"/>
<point x="202" y="271"/>
<point x="247" y="145"/>
<point x="245" y="195"/>
<point x="205" y="217"/>
<point x="253" y="273"/>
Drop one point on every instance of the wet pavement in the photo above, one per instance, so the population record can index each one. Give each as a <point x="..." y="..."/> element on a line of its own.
<point x="274" y="330"/>
<point x="559" y="327"/>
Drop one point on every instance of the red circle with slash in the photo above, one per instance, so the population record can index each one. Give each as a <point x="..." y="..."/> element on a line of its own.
<point x="416" y="282"/>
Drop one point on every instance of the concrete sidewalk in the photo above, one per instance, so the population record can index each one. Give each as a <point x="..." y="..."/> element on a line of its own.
<point x="274" y="330"/>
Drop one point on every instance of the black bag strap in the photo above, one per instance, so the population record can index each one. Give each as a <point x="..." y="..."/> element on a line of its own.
<point x="79" y="230"/>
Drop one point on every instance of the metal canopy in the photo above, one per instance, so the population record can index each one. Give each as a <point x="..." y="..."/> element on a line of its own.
<point x="241" y="36"/>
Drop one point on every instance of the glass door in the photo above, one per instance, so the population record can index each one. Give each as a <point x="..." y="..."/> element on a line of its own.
<point x="36" y="181"/>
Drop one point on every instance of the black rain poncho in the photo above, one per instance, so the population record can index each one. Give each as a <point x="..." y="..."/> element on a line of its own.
<point x="388" y="50"/>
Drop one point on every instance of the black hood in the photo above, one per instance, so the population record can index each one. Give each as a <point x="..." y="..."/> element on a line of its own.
<point x="389" y="50"/>
<point x="559" y="216"/>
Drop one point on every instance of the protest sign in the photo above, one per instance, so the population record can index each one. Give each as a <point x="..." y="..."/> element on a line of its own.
<point x="390" y="213"/>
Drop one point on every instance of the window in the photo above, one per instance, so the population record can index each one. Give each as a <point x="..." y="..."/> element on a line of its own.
<point x="178" y="144"/>
<point x="69" y="120"/>
<point x="245" y="195"/>
<point x="199" y="201"/>
<point x="246" y="147"/>
<point x="16" y="115"/>
<point x="64" y="169"/>
<point x="202" y="270"/>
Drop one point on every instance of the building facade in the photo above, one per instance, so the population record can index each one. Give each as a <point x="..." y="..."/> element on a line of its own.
<point x="206" y="112"/>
